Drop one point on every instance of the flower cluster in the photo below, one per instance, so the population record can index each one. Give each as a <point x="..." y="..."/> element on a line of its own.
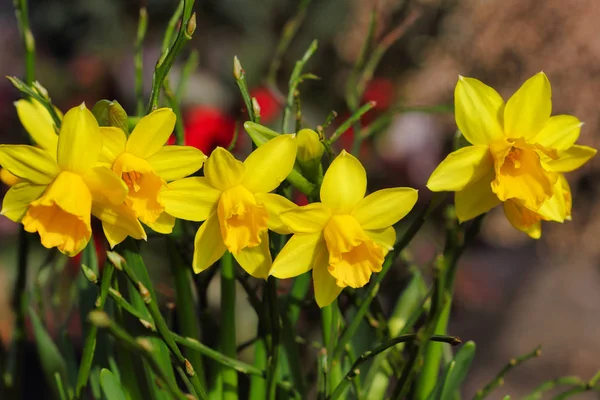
<point x="518" y="155"/>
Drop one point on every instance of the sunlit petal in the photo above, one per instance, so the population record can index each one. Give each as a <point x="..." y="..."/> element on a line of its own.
<point x="528" y="110"/>
<point x="572" y="158"/>
<point x="18" y="198"/>
<point x="222" y="170"/>
<point x="163" y="224"/>
<point x="192" y="199"/>
<point x="275" y="205"/>
<point x="385" y="238"/>
<point x="118" y="222"/>
<point x="478" y="111"/>
<point x="256" y="260"/>
<point x="298" y="255"/>
<point x="28" y="163"/>
<point x="79" y="141"/>
<point x="270" y="164"/>
<point x="208" y="245"/>
<point x="113" y="144"/>
<point x="344" y="183"/>
<point x="460" y="168"/>
<point x="385" y="207"/>
<point x="307" y="219"/>
<point x="560" y="133"/>
<point x="176" y="162"/>
<point x="151" y="133"/>
<point x="105" y="185"/>
<point x="326" y="289"/>
<point x="475" y="199"/>
<point x="38" y="123"/>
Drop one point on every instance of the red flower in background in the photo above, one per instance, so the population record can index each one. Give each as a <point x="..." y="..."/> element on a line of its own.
<point x="269" y="106"/>
<point x="206" y="128"/>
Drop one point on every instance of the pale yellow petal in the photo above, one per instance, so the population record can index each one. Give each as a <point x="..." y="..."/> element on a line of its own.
<point x="79" y="141"/>
<point x="164" y="223"/>
<point x="256" y="260"/>
<point x="573" y="158"/>
<point x="270" y="164"/>
<point x="38" y="122"/>
<point x="475" y="199"/>
<point x="478" y="111"/>
<point x="222" y="170"/>
<point x="17" y="199"/>
<point x="460" y="168"/>
<point x="118" y="222"/>
<point x="105" y="185"/>
<point x="528" y="110"/>
<point x="298" y="255"/>
<point x="191" y="199"/>
<point x="385" y="238"/>
<point x="275" y="205"/>
<point x="307" y="219"/>
<point x="326" y="288"/>
<point x="113" y="144"/>
<point x="28" y="163"/>
<point x="208" y="245"/>
<point x="560" y="133"/>
<point x="151" y="133"/>
<point x="344" y="183"/>
<point x="176" y="162"/>
<point x="523" y="219"/>
<point x="385" y="207"/>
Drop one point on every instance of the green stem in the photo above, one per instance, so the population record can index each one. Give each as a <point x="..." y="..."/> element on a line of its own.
<point x="89" y="345"/>
<point x="228" y="331"/>
<point x="273" y="338"/>
<point x="22" y="13"/>
<point x="165" y="62"/>
<point x="138" y="61"/>
<point x="366" y="356"/>
<point x="240" y="79"/>
<point x="350" y="121"/>
<point x="538" y="392"/>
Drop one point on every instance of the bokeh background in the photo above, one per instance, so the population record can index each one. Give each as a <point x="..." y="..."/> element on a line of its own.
<point x="512" y="293"/>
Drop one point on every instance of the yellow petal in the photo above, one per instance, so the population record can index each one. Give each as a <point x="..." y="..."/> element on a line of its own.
<point x="151" y="133"/>
<point x="163" y="224"/>
<point x="560" y="133"/>
<point x="256" y="260"/>
<point x="105" y="185"/>
<point x="326" y="289"/>
<point x="478" y="111"/>
<point x="475" y="199"/>
<point x="344" y="183"/>
<point x="310" y="218"/>
<point x="558" y="207"/>
<point x="270" y="164"/>
<point x="18" y="198"/>
<point x="275" y="205"/>
<point x="7" y="178"/>
<point x="192" y="199"/>
<point x="222" y="170"/>
<point x="118" y="222"/>
<point x="39" y="124"/>
<point x="208" y="245"/>
<point x="385" y="238"/>
<point x="523" y="219"/>
<point x="79" y="141"/>
<point x="573" y="158"/>
<point x="460" y="168"/>
<point x="28" y="163"/>
<point x="298" y="255"/>
<point x="62" y="215"/>
<point x="113" y="144"/>
<point x="176" y="162"/>
<point x="528" y="110"/>
<point x="385" y="207"/>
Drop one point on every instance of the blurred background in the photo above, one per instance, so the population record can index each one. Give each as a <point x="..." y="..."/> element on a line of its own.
<point x="512" y="293"/>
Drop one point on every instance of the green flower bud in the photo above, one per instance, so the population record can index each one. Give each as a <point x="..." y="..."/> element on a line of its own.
<point x="309" y="146"/>
<point x="117" y="116"/>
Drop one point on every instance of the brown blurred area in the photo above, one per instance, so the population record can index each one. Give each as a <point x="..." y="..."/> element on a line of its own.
<point x="512" y="293"/>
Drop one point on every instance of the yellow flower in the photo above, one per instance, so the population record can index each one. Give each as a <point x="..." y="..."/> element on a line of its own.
<point x="146" y="165"/>
<point x="60" y="190"/>
<point x="518" y="154"/>
<point x="234" y="201"/>
<point x="344" y="238"/>
<point x="39" y="124"/>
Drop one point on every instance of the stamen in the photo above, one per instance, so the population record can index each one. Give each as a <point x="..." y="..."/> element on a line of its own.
<point x="132" y="180"/>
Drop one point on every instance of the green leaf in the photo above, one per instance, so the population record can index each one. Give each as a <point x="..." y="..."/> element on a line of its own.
<point x="457" y="371"/>
<point x="50" y="358"/>
<point x="110" y="385"/>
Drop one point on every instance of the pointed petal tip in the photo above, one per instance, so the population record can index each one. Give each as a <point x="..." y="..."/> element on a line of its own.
<point x="460" y="77"/>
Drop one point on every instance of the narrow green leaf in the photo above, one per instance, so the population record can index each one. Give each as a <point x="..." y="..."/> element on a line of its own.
<point x="456" y="372"/>
<point x="110" y="386"/>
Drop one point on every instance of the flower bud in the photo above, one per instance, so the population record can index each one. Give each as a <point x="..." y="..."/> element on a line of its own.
<point x="310" y="151"/>
<point x="238" y="71"/>
<point x="117" y="116"/>
<point x="191" y="26"/>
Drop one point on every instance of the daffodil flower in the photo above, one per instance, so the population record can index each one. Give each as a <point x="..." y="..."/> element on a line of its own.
<point x="146" y="165"/>
<point x="39" y="125"/>
<point x="517" y="156"/>
<point x="234" y="202"/>
<point x="345" y="238"/>
<point x="59" y="191"/>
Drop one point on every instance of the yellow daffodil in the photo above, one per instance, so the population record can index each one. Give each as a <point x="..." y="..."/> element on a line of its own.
<point x="60" y="190"/>
<point x="234" y="201"/>
<point x="39" y="125"/>
<point x="146" y="165"/>
<point x="517" y="156"/>
<point x="345" y="238"/>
